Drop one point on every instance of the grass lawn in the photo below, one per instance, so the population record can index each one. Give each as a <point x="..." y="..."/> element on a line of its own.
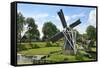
<point x="40" y="51"/>
<point x="61" y="58"/>
<point x="67" y="58"/>
<point x="57" y="56"/>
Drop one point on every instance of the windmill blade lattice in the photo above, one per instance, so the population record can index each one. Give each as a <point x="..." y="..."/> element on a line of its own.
<point x="68" y="33"/>
<point x="62" y="18"/>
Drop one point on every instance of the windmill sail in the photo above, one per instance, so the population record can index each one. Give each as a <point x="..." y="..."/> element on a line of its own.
<point x="75" y="23"/>
<point x="67" y="33"/>
<point x="61" y="16"/>
<point x="56" y="37"/>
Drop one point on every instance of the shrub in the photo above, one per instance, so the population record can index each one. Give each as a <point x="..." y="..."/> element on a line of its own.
<point x="48" y="44"/>
<point x="35" y="46"/>
<point x="57" y="45"/>
<point x="21" y="47"/>
<point x="31" y="45"/>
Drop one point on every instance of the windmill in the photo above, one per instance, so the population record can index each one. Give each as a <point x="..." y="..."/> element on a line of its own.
<point x="68" y="33"/>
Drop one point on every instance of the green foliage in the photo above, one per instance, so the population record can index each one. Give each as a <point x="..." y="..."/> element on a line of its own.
<point x="39" y="51"/>
<point x="91" y="32"/>
<point x="31" y="45"/>
<point x="35" y="46"/>
<point x="84" y="37"/>
<point x="26" y="46"/>
<point x="20" y="25"/>
<point x="48" y="44"/>
<point x="49" y="29"/>
<point x="57" y="44"/>
<point x="21" y="47"/>
<point x="20" y="22"/>
<point x="32" y="32"/>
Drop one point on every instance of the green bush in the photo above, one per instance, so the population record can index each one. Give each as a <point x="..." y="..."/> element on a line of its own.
<point x="48" y="44"/>
<point x="35" y="46"/>
<point x="57" y="45"/>
<point x="21" y="47"/>
<point x="31" y="45"/>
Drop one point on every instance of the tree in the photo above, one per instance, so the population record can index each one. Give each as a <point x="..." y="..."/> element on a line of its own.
<point x="84" y="37"/>
<point x="20" y="25"/>
<point x="91" y="32"/>
<point x="49" y="29"/>
<point x="32" y="32"/>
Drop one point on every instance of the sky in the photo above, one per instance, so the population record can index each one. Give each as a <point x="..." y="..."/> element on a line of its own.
<point x="45" y="13"/>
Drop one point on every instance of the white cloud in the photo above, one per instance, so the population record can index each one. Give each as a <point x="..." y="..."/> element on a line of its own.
<point x="36" y="16"/>
<point x="43" y="15"/>
<point x="67" y="18"/>
<point x="92" y="18"/>
<point x="56" y="17"/>
<point x="91" y="21"/>
<point x="24" y="30"/>
<point x="78" y="15"/>
<point x="40" y="30"/>
<point x="81" y="28"/>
